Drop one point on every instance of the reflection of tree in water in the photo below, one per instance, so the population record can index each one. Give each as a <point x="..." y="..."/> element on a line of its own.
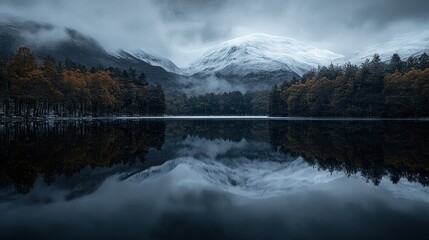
<point x="375" y="149"/>
<point x="230" y="130"/>
<point x="50" y="149"/>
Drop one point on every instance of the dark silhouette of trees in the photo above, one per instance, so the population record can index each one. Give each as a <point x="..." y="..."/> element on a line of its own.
<point x="275" y="109"/>
<point x="232" y="103"/>
<point x="373" y="149"/>
<point x="69" y="89"/>
<point x="50" y="150"/>
<point x="395" y="64"/>
<point x="4" y="84"/>
<point x="29" y="150"/>
<point x="408" y="94"/>
<point x="375" y="89"/>
<point x="423" y="61"/>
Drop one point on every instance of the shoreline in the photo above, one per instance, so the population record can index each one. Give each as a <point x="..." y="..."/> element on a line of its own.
<point x="53" y="119"/>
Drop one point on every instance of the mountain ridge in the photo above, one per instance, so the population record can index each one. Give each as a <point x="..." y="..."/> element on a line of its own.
<point x="268" y="52"/>
<point x="156" y="60"/>
<point x="405" y="45"/>
<point x="79" y="48"/>
<point x="249" y="63"/>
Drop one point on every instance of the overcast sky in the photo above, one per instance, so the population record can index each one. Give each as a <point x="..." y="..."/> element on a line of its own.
<point x="181" y="29"/>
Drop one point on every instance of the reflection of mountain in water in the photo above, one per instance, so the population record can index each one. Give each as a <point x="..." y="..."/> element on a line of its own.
<point x="256" y="179"/>
<point x="245" y="157"/>
<point x="372" y="148"/>
<point x="248" y="166"/>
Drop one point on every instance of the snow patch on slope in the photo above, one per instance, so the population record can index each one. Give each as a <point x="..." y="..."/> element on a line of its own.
<point x="254" y="179"/>
<point x="406" y="45"/>
<point x="261" y="53"/>
<point x="155" y="60"/>
<point x="406" y="189"/>
<point x="262" y="179"/>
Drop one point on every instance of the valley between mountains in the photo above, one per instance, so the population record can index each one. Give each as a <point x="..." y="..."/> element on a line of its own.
<point x="248" y="63"/>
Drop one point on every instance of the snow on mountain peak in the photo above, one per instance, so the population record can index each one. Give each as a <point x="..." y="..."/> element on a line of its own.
<point x="262" y="52"/>
<point x="155" y="60"/>
<point x="262" y="55"/>
<point x="406" y="45"/>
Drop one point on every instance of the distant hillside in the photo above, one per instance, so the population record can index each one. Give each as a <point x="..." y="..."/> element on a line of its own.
<point x="77" y="47"/>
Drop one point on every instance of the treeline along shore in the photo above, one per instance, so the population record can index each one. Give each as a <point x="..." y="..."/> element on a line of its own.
<point x="373" y="89"/>
<point x="393" y="89"/>
<point x="68" y="89"/>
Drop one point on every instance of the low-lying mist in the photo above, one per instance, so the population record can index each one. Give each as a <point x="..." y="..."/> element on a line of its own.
<point x="212" y="84"/>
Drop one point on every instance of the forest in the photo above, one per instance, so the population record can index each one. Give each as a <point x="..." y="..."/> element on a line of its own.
<point x="232" y="103"/>
<point x="69" y="89"/>
<point x="397" y="88"/>
<point x="374" y="89"/>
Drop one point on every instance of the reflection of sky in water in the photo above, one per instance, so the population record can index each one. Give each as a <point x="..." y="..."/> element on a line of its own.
<point x="178" y="204"/>
<point x="253" y="169"/>
<point x="221" y="189"/>
<point x="246" y="168"/>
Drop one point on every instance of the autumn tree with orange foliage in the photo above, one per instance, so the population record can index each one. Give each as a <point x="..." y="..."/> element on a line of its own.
<point x="375" y="89"/>
<point x="407" y="94"/>
<point x="70" y="90"/>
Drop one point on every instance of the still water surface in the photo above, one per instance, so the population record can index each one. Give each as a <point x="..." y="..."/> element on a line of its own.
<point x="214" y="179"/>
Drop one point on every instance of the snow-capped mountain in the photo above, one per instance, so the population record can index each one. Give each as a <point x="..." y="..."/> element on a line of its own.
<point x="252" y="62"/>
<point x="406" y="45"/>
<point x="260" y="53"/>
<point x="262" y="179"/>
<point x="155" y="60"/>
<point x="66" y="43"/>
<point x="253" y="179"/>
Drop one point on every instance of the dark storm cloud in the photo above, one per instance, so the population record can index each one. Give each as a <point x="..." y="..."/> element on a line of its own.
<point x="387" y="12"/>
<point x="19" y="2"/>
<point x="364" y="13"/>
<point x="180" y="29"/>
<point x="356" y="13"/>
<point x="340" y="25"/>
<point x="186" y="9"/>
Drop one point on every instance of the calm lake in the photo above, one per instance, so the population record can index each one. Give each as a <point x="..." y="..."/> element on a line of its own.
<point x="214" y="179"/>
